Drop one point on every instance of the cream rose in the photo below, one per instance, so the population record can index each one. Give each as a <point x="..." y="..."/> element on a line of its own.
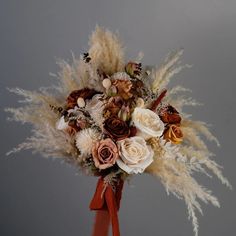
<point x="147" y="122"/>
<point x="135" y="155"/>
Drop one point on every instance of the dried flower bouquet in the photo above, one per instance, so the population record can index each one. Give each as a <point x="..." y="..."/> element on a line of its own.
<point x="114" y="119"/>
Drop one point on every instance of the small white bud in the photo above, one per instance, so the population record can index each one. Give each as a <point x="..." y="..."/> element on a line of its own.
<point x="140" y="102"/>
<point x="106" y="83"/>
<point x="80" y="102"/>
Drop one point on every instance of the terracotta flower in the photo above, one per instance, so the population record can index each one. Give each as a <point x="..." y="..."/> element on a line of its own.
<point x="85" y="93"/>
<point x="173" y="134"/>
<point x="116" y="128"/>
<point x="123" y="88"/>
<point x="105" y="153"/>
<point x="113" y="106"/>
<point x="169" y="115"/>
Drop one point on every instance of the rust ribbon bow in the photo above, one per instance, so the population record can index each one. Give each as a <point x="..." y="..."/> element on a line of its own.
<point x="106" y="201"/>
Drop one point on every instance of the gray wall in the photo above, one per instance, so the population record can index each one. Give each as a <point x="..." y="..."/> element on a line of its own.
<point x="42" y="197"/>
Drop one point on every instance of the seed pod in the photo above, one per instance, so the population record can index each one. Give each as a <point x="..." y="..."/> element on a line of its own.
<point x="80" y="102"/>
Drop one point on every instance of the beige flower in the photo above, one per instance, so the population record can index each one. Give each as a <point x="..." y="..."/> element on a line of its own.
<point x="85" y="139"/>
<point x="135" y="155"/>
<point x="95" y="108"/>
<point x="105" y="153"/>
<point x="147" y="122"/>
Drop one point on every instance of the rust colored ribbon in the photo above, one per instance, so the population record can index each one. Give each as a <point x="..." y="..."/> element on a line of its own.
<point x="106" y="201"/>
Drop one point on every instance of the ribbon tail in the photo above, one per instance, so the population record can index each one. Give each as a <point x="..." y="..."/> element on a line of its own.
<point x="112" y="208"/>
<point x="102" y="223"/>
<point x="106" y="201"/>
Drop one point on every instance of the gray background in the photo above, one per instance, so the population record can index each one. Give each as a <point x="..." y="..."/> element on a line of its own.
<point x="42" y="197"/>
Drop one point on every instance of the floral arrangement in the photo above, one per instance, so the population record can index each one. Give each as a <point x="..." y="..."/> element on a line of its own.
<point x="114" y="119"/>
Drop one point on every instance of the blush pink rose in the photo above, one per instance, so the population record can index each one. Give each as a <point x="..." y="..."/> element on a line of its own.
<point x="105" y="153"/>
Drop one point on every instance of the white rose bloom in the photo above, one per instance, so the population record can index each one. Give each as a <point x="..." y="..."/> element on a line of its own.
<point x="85" y="139"/>
<point x="135" y="155"/>
<point x="147" y="122"/>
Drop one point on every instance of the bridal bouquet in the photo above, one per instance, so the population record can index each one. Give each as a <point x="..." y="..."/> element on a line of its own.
<point x="114" y="119"/>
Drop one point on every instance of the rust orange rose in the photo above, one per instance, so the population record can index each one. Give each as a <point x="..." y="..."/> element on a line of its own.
<point x="105" y="154"/>
<point x="169" y="115"/>
<point x="173" y="134"/>
<point x="85" y="93"/>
